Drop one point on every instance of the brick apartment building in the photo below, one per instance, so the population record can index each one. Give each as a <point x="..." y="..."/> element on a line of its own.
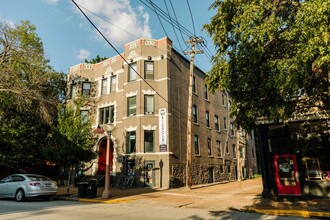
<point x="146" y="104"/>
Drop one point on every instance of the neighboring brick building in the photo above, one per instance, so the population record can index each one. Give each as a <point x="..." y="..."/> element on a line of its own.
<point x="149" y="117"/>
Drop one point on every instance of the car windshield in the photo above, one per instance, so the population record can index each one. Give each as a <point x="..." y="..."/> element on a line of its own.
<point x="38" y="178"/>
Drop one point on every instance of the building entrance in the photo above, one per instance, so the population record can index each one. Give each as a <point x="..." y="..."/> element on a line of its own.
<point x="103" y="156"/>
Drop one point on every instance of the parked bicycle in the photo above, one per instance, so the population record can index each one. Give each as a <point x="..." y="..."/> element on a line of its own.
<point x="126" y="182"/>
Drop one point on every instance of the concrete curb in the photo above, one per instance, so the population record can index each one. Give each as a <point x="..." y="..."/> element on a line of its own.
<point x="293" y="213"/>
<point x="108" y="201"/>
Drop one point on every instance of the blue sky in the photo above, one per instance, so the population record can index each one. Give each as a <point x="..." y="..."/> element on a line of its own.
<point x="69" y="38"/>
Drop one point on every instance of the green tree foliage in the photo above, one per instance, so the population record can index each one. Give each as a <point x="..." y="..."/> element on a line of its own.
<point x="270" y="54"/>
<point x="30" y="91"/>
<point x="72" y="138"/>
<point x="97" y="59"/>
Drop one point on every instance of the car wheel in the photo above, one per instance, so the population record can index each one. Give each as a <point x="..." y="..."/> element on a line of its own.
<point x="20" y="195"/>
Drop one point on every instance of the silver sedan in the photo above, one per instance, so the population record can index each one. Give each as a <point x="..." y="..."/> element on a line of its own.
<point x="22" y="186"/>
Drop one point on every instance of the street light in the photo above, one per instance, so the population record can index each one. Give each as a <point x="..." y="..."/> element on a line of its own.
<point x="106" y="192"/>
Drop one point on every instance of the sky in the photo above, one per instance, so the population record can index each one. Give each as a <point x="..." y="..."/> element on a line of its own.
<point x="69" y="38"/>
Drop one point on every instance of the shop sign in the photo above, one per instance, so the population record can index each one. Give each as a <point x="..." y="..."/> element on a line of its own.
<point x="162" y="130"/>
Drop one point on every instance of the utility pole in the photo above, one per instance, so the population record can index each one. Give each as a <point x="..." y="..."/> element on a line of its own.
<point x="192" y="52"/>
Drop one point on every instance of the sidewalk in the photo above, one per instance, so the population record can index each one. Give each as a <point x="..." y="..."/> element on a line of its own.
<point x="242" y="196"/>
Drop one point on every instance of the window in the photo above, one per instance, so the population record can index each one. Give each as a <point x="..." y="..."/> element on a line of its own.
<point x="86" y="89"/>
<point x="148" y="141"/>
<point x="223" y="99"/>
<point x="149" y="108"/>
<point x="206" y="95"/>
<point x="216" y="123"/>
<point x="221" y="168"/>
<point x="242" y="152"/>
<point x="130" y="142"/>
<point x="196" y="145"/>
<point x="113" y="82"/>
<point x="149" y="70"/>
<point x="232" y="132"/>
<point x="227" y="150"/>
<point x="104" y="86"/>
<point x="131" y="106"/>
<point x="194" y="85"/>
<point x="194" y="113"/>
<point x="225" y="123"/>
<point x="73" y="92"/>
<point x="228" y="169"/>
<point x="207" y="116"/>
<point x="84" y="116"/>
<point x="234" y="150"/>
<point x="218" y="148"/>
<point x="209" y="147"/>
<point x="132" y="72"/>
<point x="106" y="115"/>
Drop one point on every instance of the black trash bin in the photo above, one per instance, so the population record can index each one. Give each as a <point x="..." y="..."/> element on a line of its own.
<point x="82" y="189"/>
<point x="92" y="188"/>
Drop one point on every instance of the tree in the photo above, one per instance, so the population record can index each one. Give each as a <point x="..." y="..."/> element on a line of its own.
<point x="97" y="59"/>
<point x="30" y="91"/>
<point x="270" y="56"/>
<point x="72" y="139"/>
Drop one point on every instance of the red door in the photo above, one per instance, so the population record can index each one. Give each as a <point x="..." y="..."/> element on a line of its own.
<point x="102" y="156"/>
<point x="286" y="173"/>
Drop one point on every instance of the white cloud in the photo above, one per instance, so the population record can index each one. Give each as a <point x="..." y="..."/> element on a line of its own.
<point x="83" y="54"/>
<point x="121" y="14"/>
<point x="52" y="2"/>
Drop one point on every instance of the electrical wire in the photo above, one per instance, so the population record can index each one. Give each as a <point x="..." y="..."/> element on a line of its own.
<point x="176" y="18"/>
<point x="160" y="21"/>
<point x="192" y="18"/>
<point x="173" y="26"/>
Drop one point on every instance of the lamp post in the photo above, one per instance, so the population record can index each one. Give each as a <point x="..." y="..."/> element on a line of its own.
<point x="106" y="193"/>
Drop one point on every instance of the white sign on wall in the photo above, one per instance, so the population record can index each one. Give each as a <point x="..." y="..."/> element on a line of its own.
<point x="162" y="130"/>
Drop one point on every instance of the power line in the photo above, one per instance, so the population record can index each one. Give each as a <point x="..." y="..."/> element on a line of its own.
<point x="173" y="27"/>
<point x="176" y="18"/>
<point x="160" y="21"/>
<point x="192" y="18"/>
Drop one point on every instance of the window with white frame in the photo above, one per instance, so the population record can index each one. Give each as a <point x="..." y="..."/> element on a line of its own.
<point x="107" y="115"/>
<point x="84" y="116"/>
<point x="149" y="70"/>
<point x="132" y="72"/>
<point x="113" y="83"/>
<point x="130" y="142"/>
<point x="232" y="131"/>
<point x="149" y="106"/>
<point x="104" y="86"/>
<point x="86" y="89"/>
<point x="194" y="85"/>
<point x="206" y="95"/>
<point x="194" y="114"/>
<point x="216" y="123"/>
<point x="209" y="146"/>
<point x="148" y="141"/>
<point x="207" y="116"/>
<point x="73" y="91"/>
<point x="218" y="148"/>
<point x="196" y="143"/>
<point x="131" y="106"/>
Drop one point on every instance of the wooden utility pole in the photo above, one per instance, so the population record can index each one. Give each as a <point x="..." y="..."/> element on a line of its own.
<point x="192" y="52"/>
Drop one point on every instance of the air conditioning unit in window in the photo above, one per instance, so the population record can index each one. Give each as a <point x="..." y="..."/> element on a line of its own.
<point x="149" y="113"/>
